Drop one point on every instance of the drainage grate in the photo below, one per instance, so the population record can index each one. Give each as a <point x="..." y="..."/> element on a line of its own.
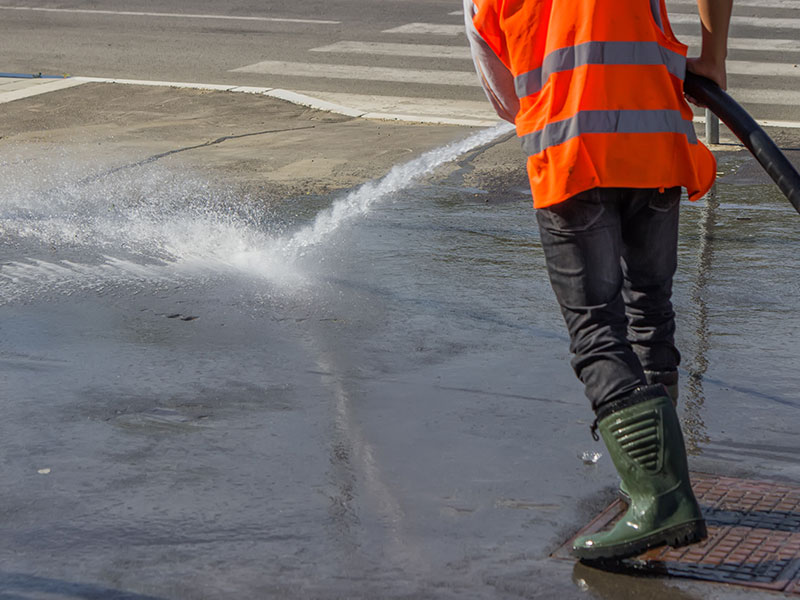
<point x="753" y="536"/>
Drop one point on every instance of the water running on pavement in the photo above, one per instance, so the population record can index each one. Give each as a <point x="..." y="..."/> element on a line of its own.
<point x="150" y="227"/>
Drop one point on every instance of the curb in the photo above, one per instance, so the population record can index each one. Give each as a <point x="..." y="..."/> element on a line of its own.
<point x="37" y="86"/>
<point x="281" y="94"/>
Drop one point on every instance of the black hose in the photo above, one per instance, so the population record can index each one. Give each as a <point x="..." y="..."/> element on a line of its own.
<point x="749" y="132"/>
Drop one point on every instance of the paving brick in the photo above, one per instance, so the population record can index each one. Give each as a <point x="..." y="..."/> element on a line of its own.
<point x="753" y="536"/>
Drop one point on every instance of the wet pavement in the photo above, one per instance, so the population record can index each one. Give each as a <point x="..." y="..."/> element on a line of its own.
<point x="382" y="411"/>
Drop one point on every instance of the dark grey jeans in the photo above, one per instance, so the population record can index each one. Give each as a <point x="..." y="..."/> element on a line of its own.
<point x="611" y="254"/>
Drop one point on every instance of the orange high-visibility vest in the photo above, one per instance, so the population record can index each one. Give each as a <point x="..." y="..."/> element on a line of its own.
<point x="600" y="86"/>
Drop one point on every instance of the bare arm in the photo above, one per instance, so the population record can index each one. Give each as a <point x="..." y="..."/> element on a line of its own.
<point x="715" y="17"/>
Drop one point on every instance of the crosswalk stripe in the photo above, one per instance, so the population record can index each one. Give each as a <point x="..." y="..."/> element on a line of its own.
<point x="459" y="52"/>
<point x="330" y="71"/>
<point x="426" y="107"/>
<point x="788" y="4"/>
<point x="388" y="49"/>
<point x="40" y="88"/>
<point x="748" y="43"/>
<point x="440" y="51"/>
<point x="756" y="96"/>
<point x="128" y="13"/>
<point x="770" y="22"/>
<point x="428" y="29"/>
<point x="769" y="69"/>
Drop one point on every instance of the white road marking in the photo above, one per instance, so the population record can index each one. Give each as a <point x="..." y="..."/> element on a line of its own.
<point x="734" y="43"/>
<point x="433" y="120"/>
<point x="37" y="88"/>
<point x="128" y="13"/>
<point x="376" y="107"/>
<point x="176" y="84"/>
<point x="769" y="22"/>
<point x="742" y="67"/>
<point x="405" y="105"/>
<point x="330" y="71"/>
<point x="427" y="29"/>
<point x="757" y="96"/>
<point x="762" y="122"/>
<point x="388" y="49"/>
<point x="784" y="124"/>
<point x="249" y="89"/>
<point x="304" y="100"/>
<point x="788" y="4"/>
<point x="456" y="12"/>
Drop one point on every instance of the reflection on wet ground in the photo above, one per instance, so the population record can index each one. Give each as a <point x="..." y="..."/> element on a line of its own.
<point x="390" y="413"/>
<point x="696" y="367"/>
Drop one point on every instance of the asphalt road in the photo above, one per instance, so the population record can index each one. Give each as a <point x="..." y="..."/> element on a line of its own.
<point x="194" y="411"/>
<point x="403" y="425"/>
<point x="345" y="48"/>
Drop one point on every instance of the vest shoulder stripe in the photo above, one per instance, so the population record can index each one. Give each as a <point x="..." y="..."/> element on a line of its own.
<point x="608" y="121"/>
<point x="599" y="53"/>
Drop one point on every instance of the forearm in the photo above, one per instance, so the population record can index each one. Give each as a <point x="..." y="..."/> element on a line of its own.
<point x="715" y="17"/>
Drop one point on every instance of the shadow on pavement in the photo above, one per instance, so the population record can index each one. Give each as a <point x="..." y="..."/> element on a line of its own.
<point x="24" y="583"/>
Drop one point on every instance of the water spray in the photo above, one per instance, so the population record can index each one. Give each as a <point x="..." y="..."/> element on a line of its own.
<point x="359" y="201"/>
<point x="154" y="236"/>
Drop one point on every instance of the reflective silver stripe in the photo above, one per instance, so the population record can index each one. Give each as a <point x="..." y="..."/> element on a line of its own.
<point x="655" y="8"/>
<point x="608" y="121"/>
<point x="599" y="53"/>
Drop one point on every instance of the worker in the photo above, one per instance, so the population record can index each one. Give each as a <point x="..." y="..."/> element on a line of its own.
<point x="595" y="89"/>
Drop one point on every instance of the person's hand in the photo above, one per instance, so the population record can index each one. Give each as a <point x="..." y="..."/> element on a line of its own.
<point x="715" y="71"/>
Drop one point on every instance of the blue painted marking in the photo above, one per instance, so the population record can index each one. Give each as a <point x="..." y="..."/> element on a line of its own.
<point x="33" y="76"/>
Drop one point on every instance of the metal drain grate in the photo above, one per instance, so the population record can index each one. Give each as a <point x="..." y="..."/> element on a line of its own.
<point x="753" y="536"/>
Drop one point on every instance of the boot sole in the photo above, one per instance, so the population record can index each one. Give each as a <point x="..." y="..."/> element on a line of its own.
<point x="676" y="536"/>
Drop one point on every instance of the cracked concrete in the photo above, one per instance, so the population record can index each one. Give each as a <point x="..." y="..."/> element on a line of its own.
<point x="256" y="141"/>
<point x="405" y="426"/>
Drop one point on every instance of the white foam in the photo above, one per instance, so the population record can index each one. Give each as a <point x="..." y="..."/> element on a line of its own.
<point x="148" y="226"/>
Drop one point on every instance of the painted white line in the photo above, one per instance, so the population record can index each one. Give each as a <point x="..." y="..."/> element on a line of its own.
<point x="784" y="124"/>
<point x="762" y="122"/>
<point x="329" y="71"/>
<point x="175" y="84"/>
<point x="428" y="29"/>
<point x="128" y="13"/>
<point x="404" y="105"/>
<point x="456" y="12"/>
<point x="735" y="43"/>
<point x="396" y="108"/>
<point x="769" y="22"/>
<point x="248" y="89"/>
<point x="387" y="49"/>
<point x="761" y="96"/>
<point x="436" y="120"/>
<point x="769" y="69"/>
<point x="789" y="4"/>
<point x="39" y="88"/>
<point x="312" y="102"/>
<point x="8" y="84"/>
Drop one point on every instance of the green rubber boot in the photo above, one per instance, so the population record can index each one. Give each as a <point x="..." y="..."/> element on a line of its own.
<point x="644" y="440"/>
<point x="669" y="379"/>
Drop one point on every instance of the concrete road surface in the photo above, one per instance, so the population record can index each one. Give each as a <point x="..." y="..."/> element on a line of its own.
<point x="228" y="371"/>
<point x="400" y="57"/>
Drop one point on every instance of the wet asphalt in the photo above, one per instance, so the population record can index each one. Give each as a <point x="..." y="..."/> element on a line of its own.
<point x="390" y="414"/>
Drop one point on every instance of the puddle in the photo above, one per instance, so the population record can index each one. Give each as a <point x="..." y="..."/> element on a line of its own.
<point x="345" y="382"/>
